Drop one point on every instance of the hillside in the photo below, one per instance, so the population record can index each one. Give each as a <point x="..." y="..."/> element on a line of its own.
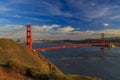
<point x="19" y="63"/>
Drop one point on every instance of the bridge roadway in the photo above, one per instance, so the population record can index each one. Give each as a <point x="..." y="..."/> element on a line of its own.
<point x="72" y="46"/>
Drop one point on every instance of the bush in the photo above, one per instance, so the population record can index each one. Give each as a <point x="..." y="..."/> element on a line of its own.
<point x="37" y="73"/>
<point x="15" y="65"/>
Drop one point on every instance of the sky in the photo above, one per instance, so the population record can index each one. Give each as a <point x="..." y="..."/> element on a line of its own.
<point x="61" y="19"/>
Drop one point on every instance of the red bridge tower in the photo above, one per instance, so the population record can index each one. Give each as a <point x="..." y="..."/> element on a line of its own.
<point x="102" y="40"/>
<point x="29" y="36"/>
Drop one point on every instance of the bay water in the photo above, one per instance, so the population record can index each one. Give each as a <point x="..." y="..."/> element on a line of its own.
<point x="90" y="61"/>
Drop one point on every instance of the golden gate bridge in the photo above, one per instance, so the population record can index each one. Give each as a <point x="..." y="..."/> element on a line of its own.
<point x="29" y="37"/>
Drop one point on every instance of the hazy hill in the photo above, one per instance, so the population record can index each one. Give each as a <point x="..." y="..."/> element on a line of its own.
<point x="19" y="63"/>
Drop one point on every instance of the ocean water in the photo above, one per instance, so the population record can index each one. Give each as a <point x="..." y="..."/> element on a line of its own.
<point x="90" y="61"/>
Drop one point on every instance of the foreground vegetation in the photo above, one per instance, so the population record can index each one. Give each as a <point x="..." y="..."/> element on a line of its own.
<point x="19" y="63"/>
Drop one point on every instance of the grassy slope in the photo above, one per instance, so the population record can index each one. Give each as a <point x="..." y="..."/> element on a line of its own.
<point x="25" y="64"/>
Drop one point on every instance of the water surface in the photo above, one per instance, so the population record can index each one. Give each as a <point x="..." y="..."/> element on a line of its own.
<point x="91" y="61"/>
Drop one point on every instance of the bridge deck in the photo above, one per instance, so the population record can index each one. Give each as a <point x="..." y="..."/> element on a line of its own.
<point x="71" y="46"/>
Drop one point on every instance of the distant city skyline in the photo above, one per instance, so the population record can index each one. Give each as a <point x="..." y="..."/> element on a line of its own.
<point x="61" y="19"/>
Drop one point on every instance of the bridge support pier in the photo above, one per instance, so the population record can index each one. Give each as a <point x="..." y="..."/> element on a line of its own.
<point x="29" y="36"/>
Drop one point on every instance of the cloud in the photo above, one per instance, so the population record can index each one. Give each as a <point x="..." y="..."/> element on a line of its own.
<point x="69" y="32"/>
<point x="115" y="17"/>
<point x="91" y="8"/>
<point x="4" y="9"/>
<point x="93" y="4"/>
<point x="99" y="12"/>
<point x="66" y="29"/>
<point x="14" y="2"/>
<point x="55" y="8"/>
<point x="16" y="16"/>
<point x="37" y="19"/>
<point x="106" y="24"/>
<point x="45" y="28"/>
<point x="112" y="32"/>
<point x="55" y="31"/>
<point x="2" y="20"/>
<point x="8" y="30"/>
<point x="5" y="6"/>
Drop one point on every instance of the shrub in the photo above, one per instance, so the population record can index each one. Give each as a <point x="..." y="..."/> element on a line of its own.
<point x="15" y="65"/>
